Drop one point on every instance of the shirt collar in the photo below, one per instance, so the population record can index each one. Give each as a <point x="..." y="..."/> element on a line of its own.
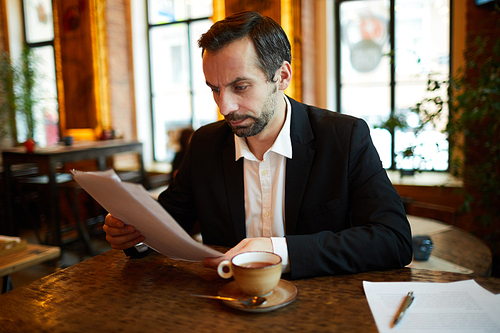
<point x="282" y="145"/>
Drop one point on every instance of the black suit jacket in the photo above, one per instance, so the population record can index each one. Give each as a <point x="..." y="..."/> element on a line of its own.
<point x="342" y="214"/>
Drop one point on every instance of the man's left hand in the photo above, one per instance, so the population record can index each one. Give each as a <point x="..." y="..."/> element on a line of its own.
<point x="246" y="245"/>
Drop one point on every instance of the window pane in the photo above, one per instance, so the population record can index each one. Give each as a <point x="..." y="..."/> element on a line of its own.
<point x="38" y="21"/>
<point x="200" y="8"/>
<point x="169" y="59"/>
<point x="196" y="30"/>
<point x="422" y="39"/>
<point x="365" y="41"/>
<point x="204" y="108"/>
<point x="170" y="112"/>
<point x="382" y="141"/>
<point x="422" y="52"/>
<point x="370" y="102"/>
<point x="179" y="92"/>
<point x="47" y="131"/>
<point x="365" y="70"/>
<point x="430" y="150"/>
<point x="46" y="112"/>
<point x="165" y="11"/>
<point x="170" y="84"/>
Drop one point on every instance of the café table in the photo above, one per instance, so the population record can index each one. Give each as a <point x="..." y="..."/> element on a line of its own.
<point x="48" y="159"/>
<point x="452" y="246"/>
<point x="32" y="255"/>
<point x="113" y="293"/>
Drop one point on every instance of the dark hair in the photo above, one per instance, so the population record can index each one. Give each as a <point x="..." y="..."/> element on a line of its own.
<point x="270" y="41"/>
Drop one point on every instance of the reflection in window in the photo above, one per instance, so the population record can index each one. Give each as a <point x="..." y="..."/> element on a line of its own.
<point x="180" y="97"/>
<point x="39" y="31"/>
<point x="47" y="130"/>
<point x="383" y="77"/>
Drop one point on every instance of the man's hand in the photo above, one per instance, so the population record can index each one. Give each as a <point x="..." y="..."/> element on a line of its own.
<point x="246" y="245"/>
<point x="120" y="235"/>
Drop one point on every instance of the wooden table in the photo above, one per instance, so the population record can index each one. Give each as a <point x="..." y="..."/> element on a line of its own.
<point x="111" y="293"/>
<point x="32" y="255"/>
<point x="454" y="245"/>
<point x="47" y="159"/>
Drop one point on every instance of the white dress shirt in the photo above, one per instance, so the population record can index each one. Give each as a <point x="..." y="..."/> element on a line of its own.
<point x="265" y="188"/>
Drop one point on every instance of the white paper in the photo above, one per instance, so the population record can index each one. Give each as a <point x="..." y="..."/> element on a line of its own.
<point x="438" y="307"/>
<point x="423" y="226"/>
<point x="132" y="204"/>
<point x="438" y="264"/>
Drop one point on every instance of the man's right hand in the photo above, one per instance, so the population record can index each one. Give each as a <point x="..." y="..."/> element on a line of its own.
<point x="120" y="235"/>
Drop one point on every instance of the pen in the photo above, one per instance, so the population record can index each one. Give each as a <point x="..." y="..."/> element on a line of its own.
<point x="402" y="309"/>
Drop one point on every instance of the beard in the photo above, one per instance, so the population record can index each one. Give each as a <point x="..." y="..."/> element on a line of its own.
<point x="259" y="123"/>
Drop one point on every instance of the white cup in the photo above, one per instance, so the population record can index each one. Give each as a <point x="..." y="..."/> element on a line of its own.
<point x="256" y="273"/>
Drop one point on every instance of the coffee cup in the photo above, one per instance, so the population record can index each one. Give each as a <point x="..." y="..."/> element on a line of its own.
<point x="255" y="273"/>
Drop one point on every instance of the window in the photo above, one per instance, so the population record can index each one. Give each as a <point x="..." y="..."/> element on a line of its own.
<point x="39" y="37"/>
<point x="387" y="50"/>
<point x="179" y="95"/>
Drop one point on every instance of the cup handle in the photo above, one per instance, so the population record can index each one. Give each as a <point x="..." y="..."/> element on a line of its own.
<point x="224" y="269"/>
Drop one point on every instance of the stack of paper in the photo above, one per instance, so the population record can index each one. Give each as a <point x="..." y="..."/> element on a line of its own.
<point x="132" y="204"/>
<point x="438" y="307"/>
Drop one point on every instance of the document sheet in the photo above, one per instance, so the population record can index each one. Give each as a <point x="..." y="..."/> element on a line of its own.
<point x="438" y="307"/>
<point x="437" y="264"/>
<point x="132" y="204"/>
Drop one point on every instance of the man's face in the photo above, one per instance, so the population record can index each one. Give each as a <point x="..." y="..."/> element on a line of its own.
<point x="240" y="88"/>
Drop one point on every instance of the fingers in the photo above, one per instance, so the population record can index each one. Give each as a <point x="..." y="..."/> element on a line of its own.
<point x="213" y="262"/>
<point x="113" y="222"/>
<point x="120" y="235"/>
<point x="246" y="245"/>
<point x="126" y="241"/>
<point x="252" y="244"/>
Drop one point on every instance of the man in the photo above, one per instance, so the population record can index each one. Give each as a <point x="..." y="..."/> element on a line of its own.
<point x="278" y="175"/>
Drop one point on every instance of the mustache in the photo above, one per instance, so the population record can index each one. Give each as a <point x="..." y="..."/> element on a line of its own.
<point x="237" y="117"/>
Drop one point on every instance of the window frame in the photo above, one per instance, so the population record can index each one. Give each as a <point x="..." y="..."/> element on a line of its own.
<point x="392" y="55"/>
<point x="151" y="26"/>
<point x="40" y="44"/>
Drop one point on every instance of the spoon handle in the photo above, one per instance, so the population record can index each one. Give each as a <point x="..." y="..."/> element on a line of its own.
<point x="216" y="297"/>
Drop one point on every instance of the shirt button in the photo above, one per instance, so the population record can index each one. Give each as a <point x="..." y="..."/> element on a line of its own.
<point x="266" y="214"/>
<point x="264" y="172"/>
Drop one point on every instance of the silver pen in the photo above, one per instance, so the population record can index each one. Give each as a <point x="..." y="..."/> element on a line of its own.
<point x="402" y="309"/>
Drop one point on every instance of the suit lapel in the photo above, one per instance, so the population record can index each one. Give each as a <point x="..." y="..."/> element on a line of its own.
<point x="233" y="181"/>
<point x="298" y="168"/>
<point x="297" y="173"/>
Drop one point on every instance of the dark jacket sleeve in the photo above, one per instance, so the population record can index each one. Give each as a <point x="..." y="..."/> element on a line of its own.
<point x="376" y="234"/>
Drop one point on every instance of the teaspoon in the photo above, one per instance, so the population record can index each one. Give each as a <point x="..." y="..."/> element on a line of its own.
<point x="252" y="301"/>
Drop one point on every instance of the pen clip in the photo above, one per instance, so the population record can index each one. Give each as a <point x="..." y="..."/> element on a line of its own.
<point x="411" y="299"/>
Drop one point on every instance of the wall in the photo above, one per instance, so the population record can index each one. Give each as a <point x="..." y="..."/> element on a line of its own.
<point x="77" y="71"/>
<point x="142" y="91"/>
<point x="4" y="40"/>
<point x="120" y="68"/>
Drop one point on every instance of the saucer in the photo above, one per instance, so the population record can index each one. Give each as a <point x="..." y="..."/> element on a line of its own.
<point x="284" y="294"/>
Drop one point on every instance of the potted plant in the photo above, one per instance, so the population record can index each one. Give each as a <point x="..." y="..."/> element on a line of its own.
<point x="27" y="97"/>
<point x="8" y="105"/>
<point x="429" y="112"/>
<point x="475" y="130"/>
<point x="18" y="82"/>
